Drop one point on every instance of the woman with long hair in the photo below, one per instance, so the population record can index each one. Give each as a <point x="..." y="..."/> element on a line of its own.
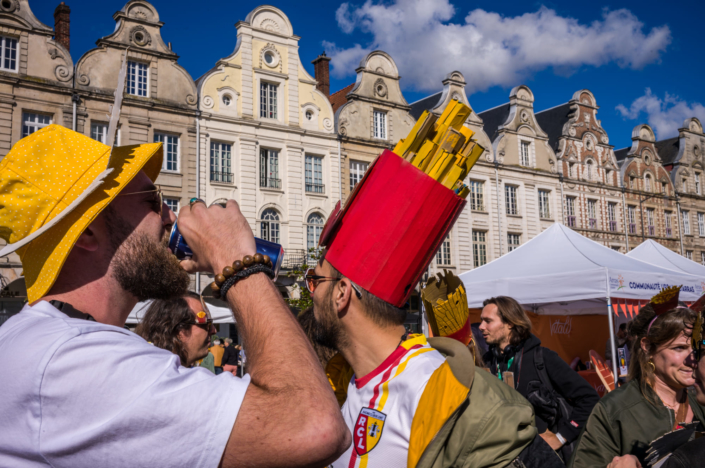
<point x="654" y="401"/>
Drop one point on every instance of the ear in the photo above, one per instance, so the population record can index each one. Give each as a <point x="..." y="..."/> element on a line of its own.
<point x="184" y="334"/>
<point x="644" y="345"/>
<point x="88" y="240"/>
<point x="342" y="295"/>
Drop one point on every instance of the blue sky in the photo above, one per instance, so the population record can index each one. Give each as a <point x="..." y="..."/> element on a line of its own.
<point x="640" y="59"/>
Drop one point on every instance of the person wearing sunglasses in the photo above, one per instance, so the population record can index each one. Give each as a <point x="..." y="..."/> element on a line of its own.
<point x="180" y="325"/>
<point x="89" y="223"/>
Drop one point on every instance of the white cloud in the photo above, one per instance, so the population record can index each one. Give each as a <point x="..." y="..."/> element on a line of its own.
<point x="665" y="115"/>
<point x="490" y="49"/>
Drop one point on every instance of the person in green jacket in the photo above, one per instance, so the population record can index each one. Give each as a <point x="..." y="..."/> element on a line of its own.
<point x="655" y="400"/>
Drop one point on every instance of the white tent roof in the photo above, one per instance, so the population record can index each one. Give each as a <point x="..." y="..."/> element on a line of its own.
<point x="560" y="265"/>
<point x="656" y="254"/>
<point x="219" y="314"/>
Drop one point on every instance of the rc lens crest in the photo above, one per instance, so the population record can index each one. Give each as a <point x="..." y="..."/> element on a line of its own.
<point x="368" y="430"/>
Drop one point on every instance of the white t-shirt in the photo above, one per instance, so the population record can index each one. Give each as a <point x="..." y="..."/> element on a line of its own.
<point x="380" y="407"/>
<point x="76" y="393"/>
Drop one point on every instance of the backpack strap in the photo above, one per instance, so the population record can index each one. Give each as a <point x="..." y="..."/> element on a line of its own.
<point x="540" y="365"/>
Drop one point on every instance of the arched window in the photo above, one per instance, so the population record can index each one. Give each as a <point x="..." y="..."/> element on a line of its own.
<point x="269" y="226"/>
<point x="588" y="166"/>
<point x="647" y="183"/>
<point x="313" y="229"/>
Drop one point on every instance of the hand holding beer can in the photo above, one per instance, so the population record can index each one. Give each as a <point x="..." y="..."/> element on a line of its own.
<point x="179" y="247"/>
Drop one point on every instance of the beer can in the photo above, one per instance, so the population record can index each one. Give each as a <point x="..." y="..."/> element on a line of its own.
<point x="179" y="247"/>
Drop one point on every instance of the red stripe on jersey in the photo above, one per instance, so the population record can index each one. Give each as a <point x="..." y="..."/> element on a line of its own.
<point x="391" y="361"/>
<point x="353" y="457"/>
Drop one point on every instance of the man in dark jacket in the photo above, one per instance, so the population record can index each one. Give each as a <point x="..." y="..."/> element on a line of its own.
<point x="507" y="330"/>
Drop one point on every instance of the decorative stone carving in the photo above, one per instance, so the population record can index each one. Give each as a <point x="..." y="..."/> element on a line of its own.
<point x="140" y="13"/>
<point x="342" y="127"/>
<point x="268" y="24"/>
<point x="53" y="53"/>
<point x="84" y="80"/>
<point x="208" y="102"/>
<point x="604" y="139"/>
<point x="191" y="100"/>
<point x="457" y="97"/>
<point x="524" y="116"/>
<point x="571" y="131"/>
<point x="328" y="124"/>
<point x="696" y="151"/>
<point x="380" y="88"/>
<point x="140" y="36"/>
<point x="9" y="6"/>
<point x="63" y="73"/>
<point x="270" y="57"/>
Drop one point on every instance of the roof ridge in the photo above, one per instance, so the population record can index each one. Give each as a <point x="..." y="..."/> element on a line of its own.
<point x="551" y="108"/>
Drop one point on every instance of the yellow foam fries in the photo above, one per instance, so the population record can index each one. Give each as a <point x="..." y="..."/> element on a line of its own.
<point x="443" y="147"/>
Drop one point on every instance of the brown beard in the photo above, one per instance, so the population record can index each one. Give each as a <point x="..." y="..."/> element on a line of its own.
<point x="326" y="330"/>
<point x="142" y="266"/>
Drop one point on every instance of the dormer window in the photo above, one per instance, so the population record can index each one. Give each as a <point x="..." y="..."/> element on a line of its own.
<point x="137" y="77"/>
<point x="380" y="125"/>
<point x="8" y="52"/>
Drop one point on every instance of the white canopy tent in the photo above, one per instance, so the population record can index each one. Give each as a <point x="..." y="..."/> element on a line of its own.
<point x="560" y="266"/>
<point x="652" y="252"/>
<point x="219" y="314"/>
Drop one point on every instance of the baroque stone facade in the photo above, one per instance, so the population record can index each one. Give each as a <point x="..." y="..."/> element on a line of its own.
<point x="267" y="136"/>
<point x="373" y="118"/>
<point x="159" y="103"/>
<point x="258" y="128"/>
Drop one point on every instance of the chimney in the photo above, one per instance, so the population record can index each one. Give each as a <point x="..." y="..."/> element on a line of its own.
<point x="62" y="25"/>
<point x="321" y="69"/>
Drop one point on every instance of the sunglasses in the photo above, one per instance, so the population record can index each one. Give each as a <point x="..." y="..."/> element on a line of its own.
<point x="205" y="326"/>
<point x="157" y="199"/>
<point x="312" y="281"/>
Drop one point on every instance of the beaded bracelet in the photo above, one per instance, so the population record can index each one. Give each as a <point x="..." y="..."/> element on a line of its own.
<point x="230" y="282"/>
<point x="262" y="262"/>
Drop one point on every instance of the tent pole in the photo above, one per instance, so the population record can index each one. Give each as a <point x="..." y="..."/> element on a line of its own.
<point x="612" y="345"/>
<point x="610" y="320"/>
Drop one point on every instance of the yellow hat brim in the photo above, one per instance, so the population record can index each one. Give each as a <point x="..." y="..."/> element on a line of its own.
<point x="43" y="258"/>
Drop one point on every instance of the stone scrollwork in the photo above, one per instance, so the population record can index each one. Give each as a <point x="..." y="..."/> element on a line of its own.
<point x="191" y="100"/>
<point x="63" y="73"/>
<point x="328" y="124"/>
<point x="208" y="102"/>
<point x="342" y="127"/>
<point x="84" y="80"/>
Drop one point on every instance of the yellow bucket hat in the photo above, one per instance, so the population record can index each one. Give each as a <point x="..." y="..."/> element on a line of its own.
<point x="53" y="184"/>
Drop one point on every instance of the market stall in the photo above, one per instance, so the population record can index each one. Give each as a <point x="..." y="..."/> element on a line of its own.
<point x="219" y="314"/>
<point x="563" y="274"/>
<point x="652" y="252"/>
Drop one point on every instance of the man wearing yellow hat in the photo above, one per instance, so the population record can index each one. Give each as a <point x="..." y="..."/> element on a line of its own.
<point x="89" y="223"/>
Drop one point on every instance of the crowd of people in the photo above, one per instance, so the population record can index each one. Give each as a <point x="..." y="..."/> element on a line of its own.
<point x="345" y="385"/>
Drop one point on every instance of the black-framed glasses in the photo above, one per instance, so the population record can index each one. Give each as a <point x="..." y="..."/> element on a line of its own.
<point x="157" y="199"/>
<point x="312" y="281"/>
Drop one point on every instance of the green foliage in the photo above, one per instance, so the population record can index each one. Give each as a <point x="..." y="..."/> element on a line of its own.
<point x="305" y="300"/>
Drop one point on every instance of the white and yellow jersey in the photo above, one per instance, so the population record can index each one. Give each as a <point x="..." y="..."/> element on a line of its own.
<point x="380" y="406"/>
